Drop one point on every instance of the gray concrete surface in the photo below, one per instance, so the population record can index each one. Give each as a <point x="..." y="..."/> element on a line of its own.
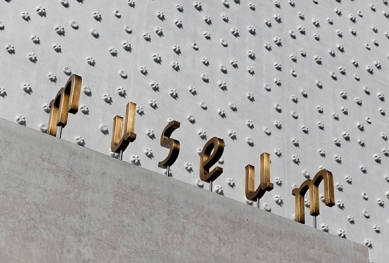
<point x="313" y="106"/>
<point x="60" y="202"/>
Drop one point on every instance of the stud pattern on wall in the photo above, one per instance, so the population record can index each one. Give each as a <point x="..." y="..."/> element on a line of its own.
<point x="302" y="80"/>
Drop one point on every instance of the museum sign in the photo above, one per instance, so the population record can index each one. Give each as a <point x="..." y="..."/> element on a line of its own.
<point x="67" y="101"/>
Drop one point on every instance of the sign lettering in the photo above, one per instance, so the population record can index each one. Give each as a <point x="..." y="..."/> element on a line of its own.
<point x="120" y="140"/>
<point x="265" y="184"/>
<point x="313" y="187"/>
<point x="66" y="100"/>
<point x="211" y="153"/>
<point x="170" y="143"/>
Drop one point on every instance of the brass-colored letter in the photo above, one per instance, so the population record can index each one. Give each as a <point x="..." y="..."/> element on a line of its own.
<point x="212" y="152"/>
<point x="120" y="139"/>
<point x="313" y="187"/>
<point x="170" y="143"/>
<point x="66" y="100"/>
<point x="265" y="184"/>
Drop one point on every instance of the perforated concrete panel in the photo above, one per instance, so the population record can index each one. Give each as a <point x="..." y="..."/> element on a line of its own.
<point x="302" y="80"/>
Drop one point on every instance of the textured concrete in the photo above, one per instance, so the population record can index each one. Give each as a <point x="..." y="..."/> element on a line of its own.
<point x="60" y="202"/>
<point x="315" y="107"/>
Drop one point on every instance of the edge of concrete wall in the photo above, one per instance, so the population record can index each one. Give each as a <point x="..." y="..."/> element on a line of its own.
<point x="60" y="202"/>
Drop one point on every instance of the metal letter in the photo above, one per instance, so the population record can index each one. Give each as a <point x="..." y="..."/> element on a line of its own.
<point x="212" y="152"/>
<point x="120" y="139"/>
<point x="169" y="143"/>
<point x="313" y="187"/>
<point x="66" y="100"/>
<point x="265" y="184"/>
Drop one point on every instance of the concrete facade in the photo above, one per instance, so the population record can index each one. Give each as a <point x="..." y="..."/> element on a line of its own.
<point x="303" y="80"/>
<point x="60" y="202"/>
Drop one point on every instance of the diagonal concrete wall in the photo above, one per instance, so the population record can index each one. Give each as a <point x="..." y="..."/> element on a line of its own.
<point x="60" y="202"/>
